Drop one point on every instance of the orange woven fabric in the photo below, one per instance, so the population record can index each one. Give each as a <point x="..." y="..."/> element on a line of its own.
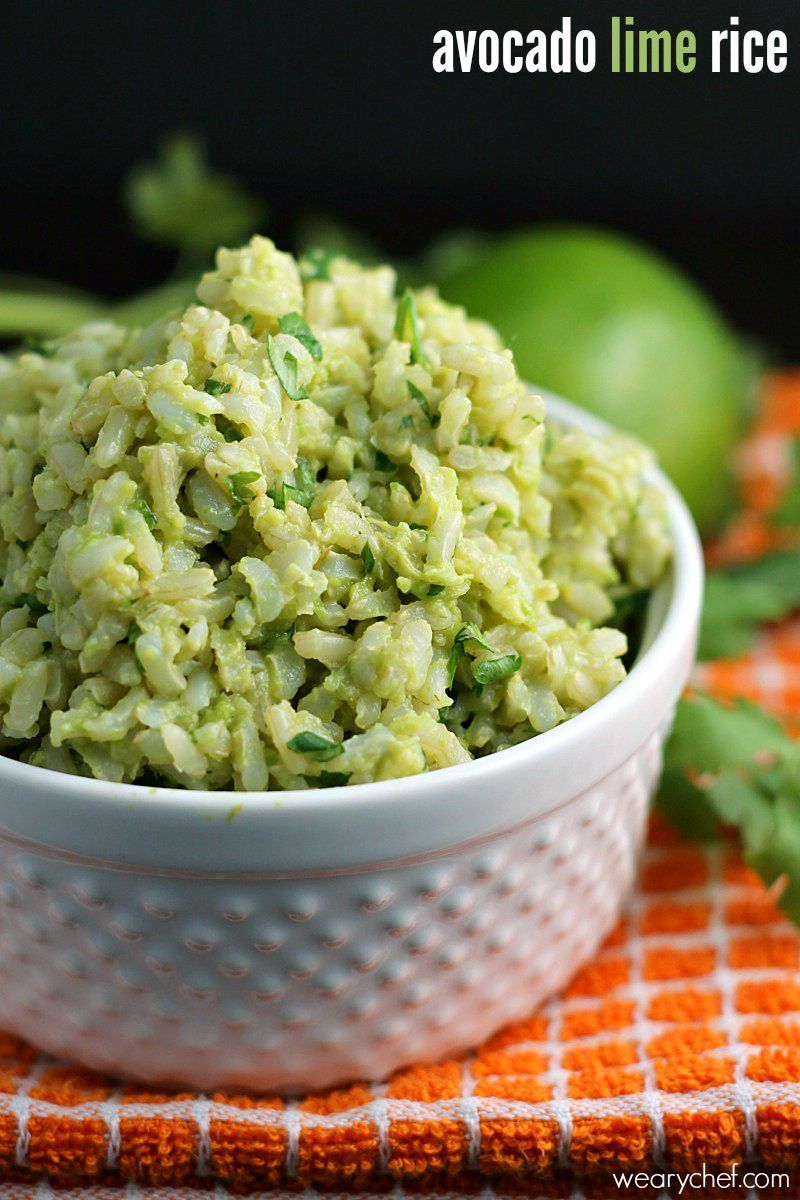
<point x="679" y="1044"/>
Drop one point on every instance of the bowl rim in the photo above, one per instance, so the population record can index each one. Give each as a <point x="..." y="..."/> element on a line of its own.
<point x="685" y="581"/>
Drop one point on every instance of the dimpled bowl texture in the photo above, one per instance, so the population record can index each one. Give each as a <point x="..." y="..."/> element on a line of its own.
<point x="296" y="940"/>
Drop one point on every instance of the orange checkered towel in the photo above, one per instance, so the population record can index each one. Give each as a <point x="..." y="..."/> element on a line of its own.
<point x="678" y="1046"/>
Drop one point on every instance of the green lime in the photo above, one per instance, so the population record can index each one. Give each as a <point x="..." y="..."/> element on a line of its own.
<point x="603" y="321"/>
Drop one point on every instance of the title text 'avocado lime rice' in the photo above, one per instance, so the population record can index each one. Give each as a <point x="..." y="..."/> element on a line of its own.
<point x="305" y="533"/>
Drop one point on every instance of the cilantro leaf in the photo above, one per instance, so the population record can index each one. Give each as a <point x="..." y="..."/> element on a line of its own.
<point x="406" y="328"/>
<point x="435" y="589"/>
<point x="739" y="600"/>
<point x="736" y="767"/>
<point x="286" y="370"/>
<point x="368" y="558"/>
<point x="248" y="322"/>
<point x="708" y="736"/>
<point x="320" y="748"/>
<point x="216" y="387"/>
<point x="292" y="323"/>
<point x="491" y="669"/>
<point x="302" y="491"/>
<point x="471" y="633"/>
<point x="240" y="492"/>
<point x="787" y="511"/>
<point x="467" y="633"/>
<point x="150" y="517"/>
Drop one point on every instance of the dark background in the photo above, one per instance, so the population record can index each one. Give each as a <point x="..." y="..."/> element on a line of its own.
<point x="335" y="106"/>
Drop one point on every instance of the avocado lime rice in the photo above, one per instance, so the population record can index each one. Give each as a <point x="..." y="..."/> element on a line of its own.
<point x="306" y="532"/>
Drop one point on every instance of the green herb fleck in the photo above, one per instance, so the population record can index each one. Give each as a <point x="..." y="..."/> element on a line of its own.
<point x="496" y="668"/>
<point x="406" y="327"/>
<point x="318" y="747"/>
<point x="286" y="370"/>
<point x="202" y="418"/>
<point x="240" y="492"/>
<point x="471" y="633"/>
<point x="330" y="779"/>
<point x="216" y="387"/>
<point x="422" y="400"/>
<point x="133" y="633"/>
<point x="292" y="323"/>
<point x="248" y="322"/>
<point x="33" y="602"/>
<point x="407" y="422"/>
<point x="368" y="558"/>
<point x="383" y="463"/>
<point x="150" y="517"/>
<point x="316" y="264"/>
<point x="229" y="431"/>
<point x="436" y="589"/>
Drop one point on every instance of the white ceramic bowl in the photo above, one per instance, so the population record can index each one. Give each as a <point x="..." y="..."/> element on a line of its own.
<point x="284" y="941"/>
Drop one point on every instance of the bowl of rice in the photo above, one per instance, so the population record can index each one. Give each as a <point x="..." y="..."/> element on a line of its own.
<point x="335" y="667"/>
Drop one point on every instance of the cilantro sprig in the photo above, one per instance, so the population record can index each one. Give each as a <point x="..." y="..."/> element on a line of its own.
<point x="736" y="767"/>
<point x="740" y="599"/>
<point x="293" y="324"/>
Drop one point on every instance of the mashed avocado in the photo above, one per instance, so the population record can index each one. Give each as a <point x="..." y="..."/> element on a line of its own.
<point x="305" y="532"/>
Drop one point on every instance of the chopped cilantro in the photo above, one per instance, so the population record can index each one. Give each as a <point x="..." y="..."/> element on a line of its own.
<point x="133" y="633"/>
<point x="150" y="517"/>
<point x="318" y="747"/>
<point x="33" y="602"/>
<point x="407" y="422"/>
<point x="316" y="264"/>
<point x="368" y="558"/>
<point x="422" y="400"/>
<point x="302" y="491"/>
<point x="202" y="418"/>
<point x="248" y="322"/>
<point x="292" y="323"/>
<point x="286" y="370"/>
<point x="406" y="327"/>
<point x="330" y="779"/>
<point x="383" y="463"/>
<point x="216" y="387"/>
<point x="240" y="492"/>
<point x="436" y="589"/>
<point x="229" y="431"/>
<point x="496" y="668"/>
